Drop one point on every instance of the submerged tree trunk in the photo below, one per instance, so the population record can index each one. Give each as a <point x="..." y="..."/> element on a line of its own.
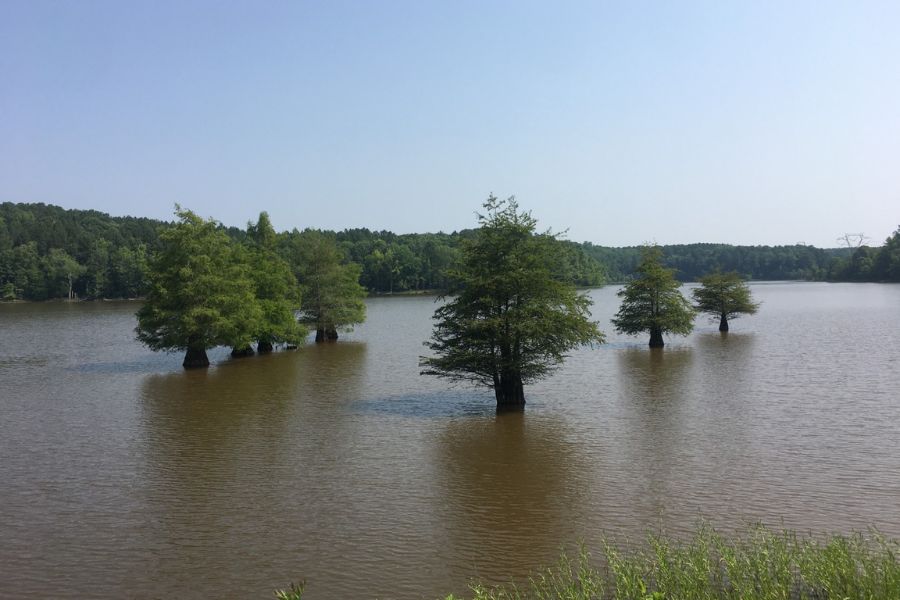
<point x="509" y="393"/>
<point x="723" y="323"/>
<point x="326" y="334"/>
<point x="195" y="358"/>
<point x="242" y="351"/>
<point x="263" y="346"/>
<point x="656" y="338"/>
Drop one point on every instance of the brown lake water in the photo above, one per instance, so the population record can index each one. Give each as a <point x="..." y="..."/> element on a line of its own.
<point x="123" y="476"/>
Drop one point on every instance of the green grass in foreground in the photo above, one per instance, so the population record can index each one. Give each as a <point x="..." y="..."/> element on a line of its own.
<point x="759" y="564"/>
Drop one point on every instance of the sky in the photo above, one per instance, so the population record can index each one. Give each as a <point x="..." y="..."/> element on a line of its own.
<point x="620" y="122"/>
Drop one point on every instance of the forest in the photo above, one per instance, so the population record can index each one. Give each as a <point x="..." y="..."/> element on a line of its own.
<point x="49" y="252"/>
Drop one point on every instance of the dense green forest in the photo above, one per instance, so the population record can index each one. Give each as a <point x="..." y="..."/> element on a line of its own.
<point x="50" y="252"/>
<point x="692" y="261"/>
<point x="869" y="264"/>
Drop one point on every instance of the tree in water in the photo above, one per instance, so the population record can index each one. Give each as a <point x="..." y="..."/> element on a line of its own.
<point x="512" y="318"/>
<point x="275" y="287"/>
<point x="652" y="302"/>
<point x="724" y="295"/>
<point x="332" y="295"/>
<point x="200" y="294"/>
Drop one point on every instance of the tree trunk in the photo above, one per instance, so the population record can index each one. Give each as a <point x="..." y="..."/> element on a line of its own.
<point x="326" y="334"/>
<point x="656" y="338"/>
<point x="723" y="323"/>
<point x="263" y="346"/>
<point x="510" y="394"/>
<point x="195" y="358"/>
<point x="242" y="352"/>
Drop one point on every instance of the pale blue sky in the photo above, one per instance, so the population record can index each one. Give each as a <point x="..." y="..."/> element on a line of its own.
<point x="739" y="122"/>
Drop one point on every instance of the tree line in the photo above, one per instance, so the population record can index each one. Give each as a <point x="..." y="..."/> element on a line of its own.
<point x="50" y="252"/>
<point x="870" y="264"/>
<point x="692" y="261"/>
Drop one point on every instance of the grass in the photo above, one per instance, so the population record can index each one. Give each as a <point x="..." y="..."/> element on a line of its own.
<point x="760" y="564"/>
<point x="294" y="593"/>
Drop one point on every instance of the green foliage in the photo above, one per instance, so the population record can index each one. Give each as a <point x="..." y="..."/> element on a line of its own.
<point x="724" y="296"/>
<point x="691" y="261"/>
<point x="871" y="264"/>
<point x="759" y="564"/>
<point x="97" y="269"/>
<point x="23" y="267"/>
<point x="262" y="233"/>
<point x="887" y="263"/>
<point x="512" y="319"/>
<point x="29" y="233"/>
<point x="294" y="593"/>
<point x="274" y="285"/>
<point x="61" y="271"/>
<point x="397" y="263"/>
<point x="127" y="275"/>
<point x="201" y="293"/>
<point x="652" y="302"/>
<point x="332" y="296"/>
<point x="113" y="252"/>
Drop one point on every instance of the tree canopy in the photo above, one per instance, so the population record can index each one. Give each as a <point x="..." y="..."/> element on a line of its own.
<point x="724" y="296"/>
<point x="200" y="293"/>
<point x="511" y="317"/>
<point x="275" y="288"/>
<point x="333" y="297"/>
<point x="653" y="302"/>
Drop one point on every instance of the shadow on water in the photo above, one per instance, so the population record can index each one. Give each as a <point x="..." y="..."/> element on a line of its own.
<point x="511" y="484"/>
<point x="436" y="405"/>
<point x="334" y="371"/>
<point x="149" y="364"/>
<point x="653" y="398"/>
<point x="731" y="340"/>
<point x="214" y="414"/>
<point x="657" y="374"/>
<point x="726" y="352"/>
<point x="219" y="445"/>
<point x="198" y="425"/>
<point x="719" y="389"/>
<point x="686" y="430"/>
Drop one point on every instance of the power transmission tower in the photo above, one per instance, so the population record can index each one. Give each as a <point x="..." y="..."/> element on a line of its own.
<point x="853" y="240"/>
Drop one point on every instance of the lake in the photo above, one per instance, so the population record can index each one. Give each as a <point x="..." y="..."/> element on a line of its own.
<point x="122" y="475"/>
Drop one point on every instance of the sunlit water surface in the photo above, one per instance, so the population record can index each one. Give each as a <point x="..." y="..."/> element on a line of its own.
<point x="123" y="476"/>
